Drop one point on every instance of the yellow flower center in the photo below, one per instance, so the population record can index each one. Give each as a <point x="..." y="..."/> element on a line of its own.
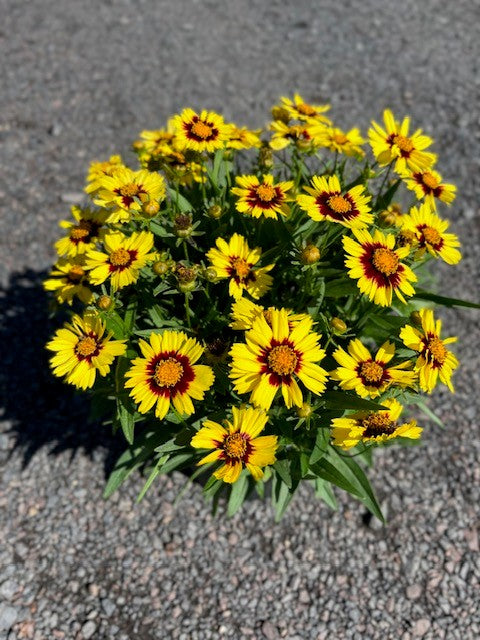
<point x="339" y="204"/>
<point x="282" y="360"/>
<point x="371" y="372"/>
<point x="377" y="424"/>
<point x="241" y="268"/>
<point x="430" y="181"/>
<point x="76" y="273"/>
<point x="82" y="230"/>
<point x="306" y="109"/>
<point x="201" y="129"/>
<point x="385" y="260"/>
<point x="130" y="190"/>
<point x="431" y="236"/>
<point x="235" y="445"/>
<point x="119" y="257"/>
<point x="265" y="192"/>
<point x="340" y="138"/>
<point x="86" y="346"/>
<point x="403" y="143"/>
<point x="168" y="373"/>
<point x="437" y="349"/>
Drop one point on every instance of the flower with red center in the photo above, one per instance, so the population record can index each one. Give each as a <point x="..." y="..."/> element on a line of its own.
<point x="376" y="266"/>
<point x="243" y="138"/>
<point x="126" y="192"/>
<point x="429" y="230"/>
<point x="206" y="131"/>
<point x="81" y="349"/>
<point x="274" y="356"/>
<point x="99" y="170"/>
<point x="167" y="373"/>
<point x="235" y="260"/>
<point x="237" y="444"/>
<point x="394" y="144"/>
<point x="285" y="135"/>
<point x="348" y="143"/>
<point x="373" y="427"/>
<point x="326" y="202"/>
<point x="122" y="260"/>
<point x="244" y="312"/>
<point x="264" y="198"/>
<point x="301" y="110"/>
<point x="367" y="376"/>
<point x="84" y="231"/>
<point x="434" y="360"/>
<point x="428" y="185"/>
<point x="69" y="279"/>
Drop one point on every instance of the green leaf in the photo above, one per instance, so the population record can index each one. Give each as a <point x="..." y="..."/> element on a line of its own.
<point x="327" y="471"/>
<point x="159" y="230"/>
<point x="175" y="462"/>
<point x="445" y="301"/>
<point x="321" y="446"/>
<point x="237" y="494"/>
<point x="282" y="467"/>
<point x="114" y="323"/>
<point x="324" y="491"/>
<point x="343" y="400"/>
<point x="214" y="174"/>
<point x="386" y="199"/>
<point x="126" y="417"/>
<point x="153" y="474"/>
<point x="281" y="496"/>
<point x="180" y="201"/>
<point x="340" y="287"/>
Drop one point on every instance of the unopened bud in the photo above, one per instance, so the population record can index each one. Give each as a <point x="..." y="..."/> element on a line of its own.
<point x="305" y="411"/>
<point x="215" y="211"/>
<point x="210" y="274"/>
<point x="150" y="209"/>
<point x="310" y="254"/>
<point x="280" y="113"/>
<point x="416" y="318"/>
<point x="160" y="268"/>
<point x="183" y="225"/>
<point x="406" y="238"/>
<point x="265" y="157"/>
<point x="186" y="287"/>
<point x="105" y="303"/>
<point x="185" y="274"/>
<point x="390" y="216"/>
<point x="338" y="325"/>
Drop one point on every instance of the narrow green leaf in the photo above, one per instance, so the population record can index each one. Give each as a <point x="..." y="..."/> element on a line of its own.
<point x="339" y="288"/>
<point x="114" y="323"/>
<point x="321" y="445"/>
<point x="444" y="300"/>
<point x="180" y="201"/>
<point x="324" y="491"/>
<point x="159" y="230"/>
<point x="126" y="417"/>
<point x="175" y="462"/>
<point x="343" y="400"/>
<point x="282" y="467"/>
<point x="281" y="496"/>
<point x="327" y="471"/>
<point x="153" y="474"/>
<point x="238" y="493"/>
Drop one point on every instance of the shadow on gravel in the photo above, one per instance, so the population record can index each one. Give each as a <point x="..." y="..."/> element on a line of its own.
<point x="40" y="410"/>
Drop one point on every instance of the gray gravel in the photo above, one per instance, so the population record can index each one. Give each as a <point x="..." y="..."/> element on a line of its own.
<point x="80" y="79"/>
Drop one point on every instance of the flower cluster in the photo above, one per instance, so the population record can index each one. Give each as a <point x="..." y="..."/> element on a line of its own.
<point x="251" y="303"/>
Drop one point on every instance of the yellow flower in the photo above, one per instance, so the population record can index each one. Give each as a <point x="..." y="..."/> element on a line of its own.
<point x="126" y="192"/>
<point x="394" y="143"/>
<point x="285" y="135"/>
<point x="167" y="373"/>
<point x="238" y="445"/>
<point x="201" y="132"/>
<point x="124" y="258"/>
<point x="82" y="349"/>
<point x="262" y="198"/>
<point x="301" y="110"/>
<point x="376" y="265"/>
<point x="373" y="427"/>
<point x="326" y="202"/>
<point x="235" y="260"/>
<point x="434" y="360"/>
<point x="84" y="231"/>
<point x="99" y="170"/>
<point x="243" y="138"/>
<point x="429" y="231"/>
<point x="69" y="279"/>
<point x="245" y="312"/>
<point x="428" y="184"/>
<point x="274" y="356"/>
<point x="155" y="143"/>
<point x="349" y="143"/>
<point x="367" y="376"/>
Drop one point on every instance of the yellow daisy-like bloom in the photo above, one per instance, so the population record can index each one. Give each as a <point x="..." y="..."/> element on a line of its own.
<point x="367" y="376"/>
<point x="428" y="185"/>
<point x="201" y="132"/>
<point x="126" y="192"/>
<point x="99" y="170"/>
<point x="84" y="231"/>
<point x="373" y="427"/>
<point x="243" y="138"/>
<point x="167" y="373"/>
<point x="301" y="110"/>
<point x="394" y="143"/>
<point x="238" y="444"/>
<point x="124" y="258"/>
<point x="326" y="202"/>
<point x="235" y="260"/>
<point x="274" y="356"/>
<point x="430" y="234"/>
<point x="245" y="312"/>
<point x="69" y="279"/>
<point x="435" y="360"/>
<point x="82" y="349"/>
<point x="392" y="215"/>
<point x="285" y="135"/>
<point x="375" y="264"/>
<point x="262" y="198"/>
<point x="348" y="143"/>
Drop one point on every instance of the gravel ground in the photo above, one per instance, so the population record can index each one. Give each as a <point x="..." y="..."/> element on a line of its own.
<point x="80" y="79"/>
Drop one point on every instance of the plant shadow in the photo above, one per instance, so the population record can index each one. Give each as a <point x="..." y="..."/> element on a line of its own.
<point x="38" y="409"/>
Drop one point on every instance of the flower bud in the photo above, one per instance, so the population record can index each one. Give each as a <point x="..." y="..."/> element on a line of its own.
<point x="105" y="303"/>
<point x="310" y="254"/>
<point x="186" y="287"/>
<point x="305" y="411"/>
<point x="416" y="318"/>
<point x="338" y="326"/>
<point x="265" y="157"/>
<point x="215" y="211"/>
<point x="210" y="274"/>
<point x="160" y="267"/>
<point x="280" y="113"/>
<point x="390" y="216"/>
<point x="183" y="225"/>
<point x="150" y="209"/>
<point x="185" y="274"/>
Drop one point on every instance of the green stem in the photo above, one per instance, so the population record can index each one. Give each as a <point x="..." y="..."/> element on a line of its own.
<point x="187" y="312"/>
<point x="383" y="184"/>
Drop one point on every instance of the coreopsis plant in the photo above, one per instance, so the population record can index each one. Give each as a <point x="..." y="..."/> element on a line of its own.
<point x="253" y="305"/>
